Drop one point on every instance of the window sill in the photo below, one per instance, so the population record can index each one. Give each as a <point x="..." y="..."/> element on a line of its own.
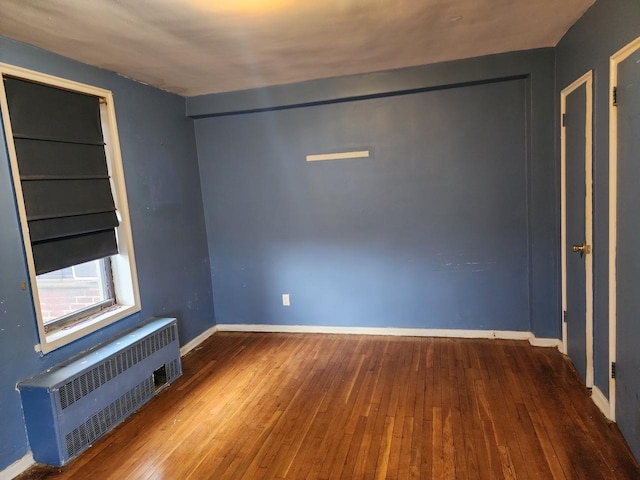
<point x="64" y="336"/>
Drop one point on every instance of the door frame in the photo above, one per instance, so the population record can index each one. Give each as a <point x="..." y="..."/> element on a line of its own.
<point x="587" y="80"/>
<point x="617" y="58"/>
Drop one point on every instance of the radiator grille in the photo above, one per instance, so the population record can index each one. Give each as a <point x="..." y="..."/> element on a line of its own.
<point x="101" y="422"/>
<point x="86" y="383"/>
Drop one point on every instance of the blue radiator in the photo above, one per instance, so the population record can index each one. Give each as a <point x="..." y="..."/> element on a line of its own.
<point x="73" y="404"/>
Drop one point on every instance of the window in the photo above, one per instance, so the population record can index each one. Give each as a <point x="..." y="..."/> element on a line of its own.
<point x="68" y="178"/>
<point x="74" y="293"/>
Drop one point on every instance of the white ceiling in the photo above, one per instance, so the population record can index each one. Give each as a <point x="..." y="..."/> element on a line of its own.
<point x="193" y="47"/>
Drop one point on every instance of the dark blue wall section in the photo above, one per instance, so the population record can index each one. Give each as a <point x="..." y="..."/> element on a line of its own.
<point x="158" y="150"/>
<point x="283" y="142"/>
<point x="429" y="233"/>
<point x="602" y="31"/>
<point x="451" y="224"/>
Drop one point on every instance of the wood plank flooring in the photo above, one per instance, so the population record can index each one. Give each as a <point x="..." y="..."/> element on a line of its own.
<point x="298" y="406"/>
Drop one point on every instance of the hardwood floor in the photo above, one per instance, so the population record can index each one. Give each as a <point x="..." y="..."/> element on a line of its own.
<point x="298" y="406"/>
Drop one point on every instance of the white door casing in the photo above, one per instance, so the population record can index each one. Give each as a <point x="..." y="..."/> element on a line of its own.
<point x="587" y="81"/>
<point x="615" y="60"/>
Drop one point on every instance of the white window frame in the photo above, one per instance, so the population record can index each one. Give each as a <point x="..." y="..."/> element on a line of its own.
<point x="123" y="265"/>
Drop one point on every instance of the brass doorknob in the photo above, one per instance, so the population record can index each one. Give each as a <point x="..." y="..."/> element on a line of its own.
<point x="582" y="249"/>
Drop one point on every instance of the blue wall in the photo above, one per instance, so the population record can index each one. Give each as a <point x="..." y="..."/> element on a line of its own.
<point x="451" y="224"/>
<point x="158" y="150"/>
<point x="601" y="32"/>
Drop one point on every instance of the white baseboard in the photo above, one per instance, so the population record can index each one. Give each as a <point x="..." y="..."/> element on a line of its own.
<point x="187" y="347"/>
<point x="601" y="402"/>
<point x="545" y="342"/>
<point x="404" y="332"/>
<point x="391" y="331"/>
<point x="18" y="467"/>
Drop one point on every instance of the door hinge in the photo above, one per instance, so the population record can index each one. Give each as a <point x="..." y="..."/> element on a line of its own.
<point x="613" y="369"/>
<point x="615" y="96"/>
<point x="565" y="315"/>
<point x="564" y="119"/>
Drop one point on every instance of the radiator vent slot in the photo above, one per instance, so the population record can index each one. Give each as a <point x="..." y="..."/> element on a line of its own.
<point x="173" y="371"/>
<point x="73" y="404"/>
<point x="100" y="423"/>
<point x="88" y="382"/>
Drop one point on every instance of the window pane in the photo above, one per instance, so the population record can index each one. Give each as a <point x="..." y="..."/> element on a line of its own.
<point x="72" y="289"/>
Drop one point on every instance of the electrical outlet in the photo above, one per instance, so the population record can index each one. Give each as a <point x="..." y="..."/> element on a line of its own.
<point x="285" y="300"/>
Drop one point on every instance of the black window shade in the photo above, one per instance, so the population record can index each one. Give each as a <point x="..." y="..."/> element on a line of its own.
<point x="63" y="174"/>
